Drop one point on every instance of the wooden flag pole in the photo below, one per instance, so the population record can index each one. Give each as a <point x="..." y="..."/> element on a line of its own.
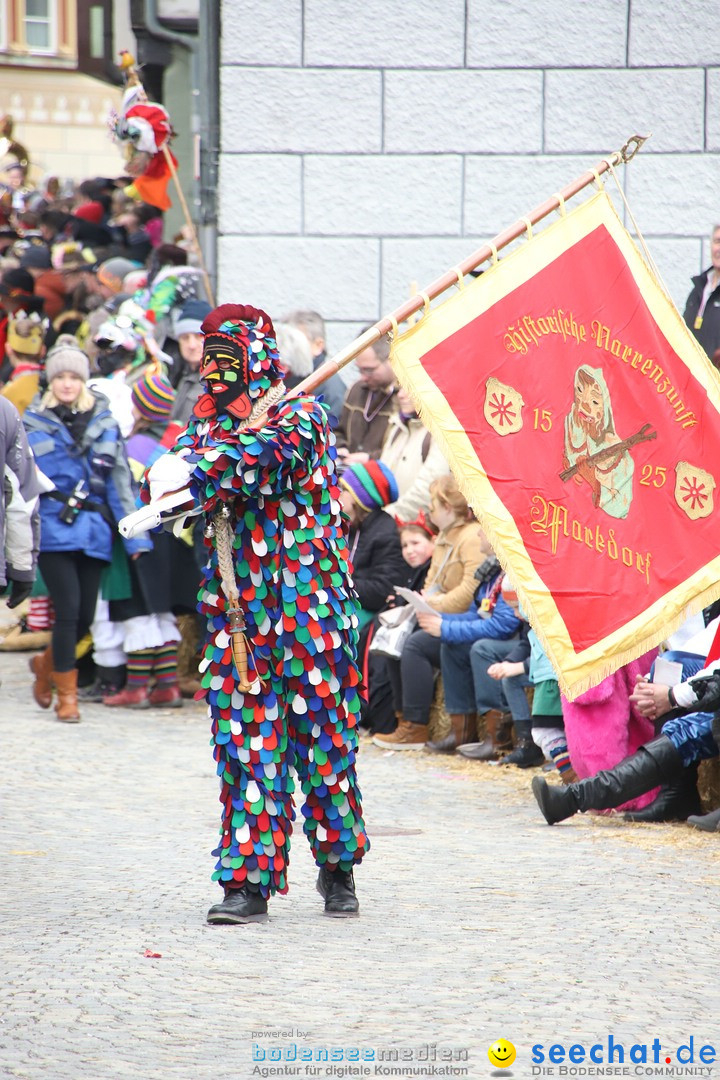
<point x="455" y="276"/>
<point x="132" y="78"/>
<point x="189" y="221"/>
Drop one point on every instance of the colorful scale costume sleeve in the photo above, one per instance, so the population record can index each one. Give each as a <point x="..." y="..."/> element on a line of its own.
<point x="291" y="572"/>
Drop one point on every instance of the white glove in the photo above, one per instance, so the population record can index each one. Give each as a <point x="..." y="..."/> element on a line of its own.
<point x="168" y="473"/>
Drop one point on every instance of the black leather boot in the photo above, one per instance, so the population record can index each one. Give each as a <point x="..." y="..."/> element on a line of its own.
<point x="526" y="755"/>
<point x="676" y="801"/>
<point x="652" y="764"/>
<point x="338" y="889"/>
<point x="239" y="906"/>
<point x="706" y="822"/>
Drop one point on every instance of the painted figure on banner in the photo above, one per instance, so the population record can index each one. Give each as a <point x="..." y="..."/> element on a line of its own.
<point x="590" y="429"/>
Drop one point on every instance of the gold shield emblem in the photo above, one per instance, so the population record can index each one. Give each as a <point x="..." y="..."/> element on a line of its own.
<point x="694" y="490"/>
<point x="503" y="407"/>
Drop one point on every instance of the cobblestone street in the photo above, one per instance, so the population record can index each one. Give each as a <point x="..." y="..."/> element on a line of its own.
<point x="477" y="920"/>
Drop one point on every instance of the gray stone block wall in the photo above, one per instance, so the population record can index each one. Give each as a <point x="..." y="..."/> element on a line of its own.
<point x="366" y="148"/>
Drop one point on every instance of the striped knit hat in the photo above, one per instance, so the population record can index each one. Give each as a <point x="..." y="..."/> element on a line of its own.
<point x="371" y="484"/>
<point x="153" y="396"/>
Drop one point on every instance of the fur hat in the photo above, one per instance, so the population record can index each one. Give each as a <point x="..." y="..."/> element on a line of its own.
<point x="153" y="396"/>
<point x="371" y="484"/>
<point x="64" y="359"/>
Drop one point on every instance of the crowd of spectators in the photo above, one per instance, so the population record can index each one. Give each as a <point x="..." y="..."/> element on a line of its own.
<point x="101" y="345"/>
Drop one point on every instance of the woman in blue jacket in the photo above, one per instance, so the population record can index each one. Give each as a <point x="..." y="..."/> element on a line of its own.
<point x="77" y="445"/>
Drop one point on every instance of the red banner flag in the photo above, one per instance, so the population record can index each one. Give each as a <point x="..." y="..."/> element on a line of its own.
<point x="580" y="417"/>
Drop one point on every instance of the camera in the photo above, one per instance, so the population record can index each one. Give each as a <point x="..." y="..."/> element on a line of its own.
<point x="74" y="503"/>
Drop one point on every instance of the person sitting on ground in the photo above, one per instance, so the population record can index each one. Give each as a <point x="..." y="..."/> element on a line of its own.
<point x="373" y="538"/>
<point x="417" y="541"/>
<point x="449" y="588"/>
<point x="489" y="620"/>
<point x="687" y="737"/>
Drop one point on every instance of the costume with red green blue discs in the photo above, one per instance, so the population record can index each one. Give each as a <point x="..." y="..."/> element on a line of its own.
<point x="290" y="551"/>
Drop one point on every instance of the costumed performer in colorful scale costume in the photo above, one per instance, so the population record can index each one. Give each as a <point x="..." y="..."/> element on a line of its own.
<point x="263" y="471"/>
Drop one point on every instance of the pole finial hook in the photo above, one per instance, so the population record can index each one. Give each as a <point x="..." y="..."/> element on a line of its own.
<point x="631" y="147"/>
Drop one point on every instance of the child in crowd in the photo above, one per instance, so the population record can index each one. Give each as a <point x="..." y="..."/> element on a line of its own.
<point x="417" y="540"/>
<point x="544" y="734"/>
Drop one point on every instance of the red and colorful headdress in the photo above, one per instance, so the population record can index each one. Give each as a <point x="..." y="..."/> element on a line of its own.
<point x="240" y="360"/>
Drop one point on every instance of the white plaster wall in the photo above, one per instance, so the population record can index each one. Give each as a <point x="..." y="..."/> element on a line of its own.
<point x="367" y="147"/>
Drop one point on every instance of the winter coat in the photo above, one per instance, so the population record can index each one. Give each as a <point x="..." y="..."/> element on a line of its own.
<point x="378" y="565"/>
<point x="19" y="517"/>
<point x="51" y="286"/>
<point x="353" y="431"/>
<point x="457" y="555"/>
<point x="167" y="578"/>
<point x="709" y="332"/>
<point x="99" y="461"/>
<point x="415" y="460"/>
<point x="501" y="623"/>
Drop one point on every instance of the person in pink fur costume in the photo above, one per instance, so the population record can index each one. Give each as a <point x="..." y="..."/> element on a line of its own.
<point x="603" y="726"/>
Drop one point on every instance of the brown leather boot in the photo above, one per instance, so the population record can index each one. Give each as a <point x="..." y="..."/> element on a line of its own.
<point x="407" y="736"/>
<point x="497" y="724"/>
<point x="67" y="705"/>
<point x="41" y="667"/>
<point x="461" y="732"/>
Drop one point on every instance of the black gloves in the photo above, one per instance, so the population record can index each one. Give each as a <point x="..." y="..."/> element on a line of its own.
<point x="19" y="591"/>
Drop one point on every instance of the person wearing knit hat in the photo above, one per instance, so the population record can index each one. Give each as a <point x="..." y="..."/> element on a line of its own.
<point x="371" y="484"/>
<point x="163" y="582"/>
<point x="191" y="317"/>
<point x="111" y="273"/>
<point x="190" y="339"/>
<point x="78" y="446"/>
<point x="66" y="359"/>
<point x="153" y="397"/>
<point x="373" y="536"/>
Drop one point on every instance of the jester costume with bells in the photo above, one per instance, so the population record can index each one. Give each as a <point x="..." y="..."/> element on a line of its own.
<point x="263" y="469"/>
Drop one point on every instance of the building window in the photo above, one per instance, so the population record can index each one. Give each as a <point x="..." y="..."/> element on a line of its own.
<point x="39" y="22"/>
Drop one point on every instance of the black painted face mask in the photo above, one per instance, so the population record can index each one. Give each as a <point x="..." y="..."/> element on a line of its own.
<point x="225" y="370"/>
